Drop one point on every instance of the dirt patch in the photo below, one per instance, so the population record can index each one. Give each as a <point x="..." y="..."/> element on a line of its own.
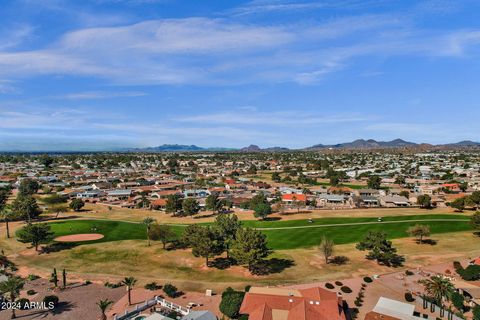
<point x="80" y="237"/>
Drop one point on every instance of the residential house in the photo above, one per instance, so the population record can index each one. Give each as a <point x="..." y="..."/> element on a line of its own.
<point x="394" y="201"/>
<point x="292" y="304"/>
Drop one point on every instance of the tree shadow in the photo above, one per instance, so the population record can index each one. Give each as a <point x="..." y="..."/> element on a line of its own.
<point x="270" y="266"/>
<point x="431" y="242"/>
<point x="222" y="263"/>
<point x="62" y="306"/>
<point x="339" y="260"/>
<point x="477" y="233"/>
<point x="271" y="219"/>
<point x="57" y="247"/>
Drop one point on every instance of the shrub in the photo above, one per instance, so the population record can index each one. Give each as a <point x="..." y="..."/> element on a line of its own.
<point x="24" y="303"/>
<point x="339" y="283"/>
<point x="31" y="292"/>
<point x="51" y="300"/>
<point x="231" y="302"/>
<point x="243" y="317"/>
<point x="346" y="289"/>
<point x="113" y="285"/>
<point x="32" y="277"/>
<point x="476" y="312"/>
<point x="152" y="286"/>
<point x="409" y="297"/>
<point x="170" y="290"/>
<point x="458" y="301"/>
<point x="368" y="280"/>
<point x="87" y="282"/>
<point x="358" y="303"/>
<point x="470" y="273"/>
<point x="409" y="273"/>
<point x="328" y="285"/>
<point x="247" y="288"/>
<point x="339" y="260"/>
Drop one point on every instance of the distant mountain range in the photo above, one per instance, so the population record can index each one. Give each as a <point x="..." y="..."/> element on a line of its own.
<point x="359" y="144"/>
<point x="178" y="148"/>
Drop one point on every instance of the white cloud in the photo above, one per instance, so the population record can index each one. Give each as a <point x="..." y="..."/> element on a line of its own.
<point x="277" y="118"/>
<point x="86" y="95"/>
<point x="221" y="51"/>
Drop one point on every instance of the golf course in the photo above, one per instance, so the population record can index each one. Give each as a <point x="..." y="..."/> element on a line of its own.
<point x="282" y="235"/>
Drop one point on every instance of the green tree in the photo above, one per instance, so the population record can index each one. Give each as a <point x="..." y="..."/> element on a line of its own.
<point x="148" y="222"/>
<point x="475" y="220"/>
<point x="206" y="243"/>
<point x="424" y="201"/>
<point x="379" y="249"/>
<point x="129" y="282"/>
<point x="163" y="233"/>
<point x="262" y="210"/>
<point x="26" y="206"/>
<point x="28" y="187"/>
<point x="35" y="234"/>
<point x="170" y="290"/>
<point x="7" y="215"/>
<point x="77" y="204"/>
<point x="458" y="301"/>
<point x="405" y="194"/>
<point x="276" y="177"/>
<point x="190" y="206"/>
<point x="400" y="180"/>
<point x="419" y="231"/>
<point x="213" y="202"/>
<point x="11" y="288"/>
<point x="374" y="182"/>
<point x="4" y="194"/>
<point x="438" y="288"/>
<point x="326" y="247"/>
<point x="54" y="277"/>
<point x="231" y="302"/>
<point x="103" y="305"/>
<point x="57" y="209"/>
<point x="256" y="200"/>
<point x="249" y="247"/>
<point x="64" y="278"/>
<point x="173" y="204"/>
<point x="458" y="204"/>
<point x="47" y="161"/>
<point x="227" y="225"/>
<point x="476" y="312"/>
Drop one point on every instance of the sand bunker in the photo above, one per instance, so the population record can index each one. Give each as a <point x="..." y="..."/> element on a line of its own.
<point x="80" y="237"/>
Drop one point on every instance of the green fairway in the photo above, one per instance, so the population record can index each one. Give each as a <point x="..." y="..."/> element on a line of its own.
<point x="282" y="234"/>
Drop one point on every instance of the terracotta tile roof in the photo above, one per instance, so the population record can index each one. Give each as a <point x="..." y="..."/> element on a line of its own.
<point x="159" y="202"/>
<point x="294" y="197"/>
<point x="313" y="304"/>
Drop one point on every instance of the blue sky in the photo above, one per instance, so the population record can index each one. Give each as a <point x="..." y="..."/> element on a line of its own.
<point x="102" y="74"/>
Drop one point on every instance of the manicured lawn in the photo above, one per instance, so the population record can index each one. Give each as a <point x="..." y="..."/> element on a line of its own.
<point x="278" y="238"/>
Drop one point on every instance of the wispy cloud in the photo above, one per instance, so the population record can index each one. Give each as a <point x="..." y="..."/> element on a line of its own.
<point x="87" y="95"/>
<point x="277" y="118"/>
<point x="222" y="51"/>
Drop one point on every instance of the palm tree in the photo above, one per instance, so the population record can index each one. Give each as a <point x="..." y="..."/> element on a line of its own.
<point x="438" y="288"/>
<point x="129" y="282"/>
<point x="7" y="214"/>
<point x="148" y="221"/>
<point x="103" y="305"/>
<point x="12" y="287"/>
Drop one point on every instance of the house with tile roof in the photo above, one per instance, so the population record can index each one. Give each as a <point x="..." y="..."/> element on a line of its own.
<point x="291" y="304"/>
